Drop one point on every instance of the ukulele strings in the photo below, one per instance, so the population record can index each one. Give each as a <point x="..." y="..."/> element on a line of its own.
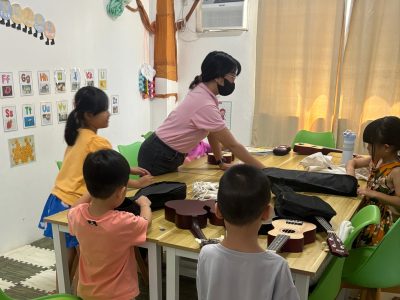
<point x="325" y="224"/>
<point x="278" y="242"/>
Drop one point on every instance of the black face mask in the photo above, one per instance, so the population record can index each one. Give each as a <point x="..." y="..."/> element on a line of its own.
<point x="227" y="88"/>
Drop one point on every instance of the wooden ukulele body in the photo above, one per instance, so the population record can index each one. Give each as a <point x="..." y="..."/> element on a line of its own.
<point x="308" y="149"/>
<point x="300" y="233"/>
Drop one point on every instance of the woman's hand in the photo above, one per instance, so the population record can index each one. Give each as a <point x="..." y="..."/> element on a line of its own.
<point x="366" y="192"/>
<point x="139" y="171"/>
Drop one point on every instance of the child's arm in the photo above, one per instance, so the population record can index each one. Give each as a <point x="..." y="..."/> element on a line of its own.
<point x="84" y="199"/>
<point x="139" y="171"/>
<point x="145" y="210"/>
<point x="141" y="182"/>
<point x="386" y="199"/>
<point x="357" y="162"/>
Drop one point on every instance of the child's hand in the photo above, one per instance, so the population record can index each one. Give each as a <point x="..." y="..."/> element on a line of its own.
<point x="366" y="192"/>
<point x="139" y="171"/>
<point x="145" y="181"/>
<point x="143" y="201"/>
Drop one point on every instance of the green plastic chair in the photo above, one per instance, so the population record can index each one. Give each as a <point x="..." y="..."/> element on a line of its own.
<point x="378" y="266"/>
<point x="328" y="285"/>
<point x="147" y="134"/>
<point x="3" y="296"/>
<point x="130" y="152"/>
<point x="324" y="139"/>
<point x="59" y="164"/>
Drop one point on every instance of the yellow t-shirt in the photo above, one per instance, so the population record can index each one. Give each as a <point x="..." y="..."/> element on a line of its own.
<point x="69" y="184"/>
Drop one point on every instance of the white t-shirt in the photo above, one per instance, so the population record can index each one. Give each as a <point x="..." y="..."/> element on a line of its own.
<point x="223" y="273"/>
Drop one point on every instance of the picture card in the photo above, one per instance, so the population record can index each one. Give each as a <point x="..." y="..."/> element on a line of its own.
<point x="9" y="118"/>
<point x="46" y="113"/>
<point x="89" y="77"/>
<point x="6" y="85"/>
<point x="25" y="83"/>
<point x="44" y="82"/>
<point x="22" y="150"/>
<point x="28" y="116"/>
<point x="62" y="111"/>
<point x="60" y="78"/>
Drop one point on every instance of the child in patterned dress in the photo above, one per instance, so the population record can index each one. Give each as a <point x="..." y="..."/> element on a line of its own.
<point x="383" y="185"/>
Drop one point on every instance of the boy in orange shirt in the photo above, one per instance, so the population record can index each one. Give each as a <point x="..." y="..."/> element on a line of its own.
<point x="107" y="265"/>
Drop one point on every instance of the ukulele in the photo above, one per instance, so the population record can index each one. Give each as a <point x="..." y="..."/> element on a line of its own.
<point x="290" y="235"/>
<point x="227" y="157"/>
<point x="335" y="244"/>
<point x="193" y="215"/>
<point x="308" y="149"/>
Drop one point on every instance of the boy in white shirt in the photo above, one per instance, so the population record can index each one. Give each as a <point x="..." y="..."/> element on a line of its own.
<point x="239" y="268"/>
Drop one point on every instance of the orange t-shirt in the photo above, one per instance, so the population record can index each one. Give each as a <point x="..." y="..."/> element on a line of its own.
<point x="107" y="264"/>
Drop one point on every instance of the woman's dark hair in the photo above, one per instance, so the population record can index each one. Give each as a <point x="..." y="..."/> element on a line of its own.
<point x="244" y="192"/>
<point x="88" y="99"/>
<point x="104" y="171"/>
<point x="216" y="64"/>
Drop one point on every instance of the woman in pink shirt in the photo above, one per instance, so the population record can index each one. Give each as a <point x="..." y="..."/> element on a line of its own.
<point x="197" y="117"/>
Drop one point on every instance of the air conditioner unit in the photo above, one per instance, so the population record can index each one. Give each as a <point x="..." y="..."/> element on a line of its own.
<point x="221" y="15"/>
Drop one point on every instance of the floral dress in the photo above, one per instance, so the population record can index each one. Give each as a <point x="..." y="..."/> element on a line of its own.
<point x="379" y="181"/>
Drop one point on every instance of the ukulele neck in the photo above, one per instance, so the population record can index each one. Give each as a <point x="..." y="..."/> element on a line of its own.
<point x="278" y="242"/>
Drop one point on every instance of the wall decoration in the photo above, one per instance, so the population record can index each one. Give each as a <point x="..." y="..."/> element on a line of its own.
<point x="89" y="77"/>
<point x="103" y="79"/>
<point x="7" y="85"/>
<point x="146" y="81"/>
<point x="26" y="19"/>
<point x="16" y="16"/>
<point x="22" y="150"/>
<point x="164" y="29"/>
<point x="44" y="82"/>
<point x="62" y="111"/>
<point x="49" y="32"/>
<point x="225" y="108"/>
<point x="60" y="78"/>
<point x="114" y="104"/>
<point x="46" y="113"/>
<point x="10" y="118"/>
<point x="25" y="83"/>
<point x="39" y="26"/>
<point x="5" y="13"/>
<point x="28" y="115"/>
<point x="75" y="79"/>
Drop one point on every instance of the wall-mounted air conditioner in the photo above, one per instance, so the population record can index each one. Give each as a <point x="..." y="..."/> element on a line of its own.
<point x="221" y="15"/>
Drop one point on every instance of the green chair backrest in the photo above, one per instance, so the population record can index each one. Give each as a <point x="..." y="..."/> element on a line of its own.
<point x="59" y="164"/>
<point x="328" y="285"/>
<point x="324" y="139"/>
<point x="376" y="267"/>
<point x="147" y="134"/>
<point x="3" y="296"/>
<point x="130" y="152"/>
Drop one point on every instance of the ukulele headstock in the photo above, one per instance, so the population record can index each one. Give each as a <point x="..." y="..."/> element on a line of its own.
<point x="336" y="246"/>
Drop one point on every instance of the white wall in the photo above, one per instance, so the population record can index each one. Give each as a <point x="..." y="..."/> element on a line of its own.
<point x="86" y="38"/>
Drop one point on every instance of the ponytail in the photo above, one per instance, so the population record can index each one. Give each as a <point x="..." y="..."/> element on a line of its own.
<point x="71" y="128"/>
<point x="195" y="82"/>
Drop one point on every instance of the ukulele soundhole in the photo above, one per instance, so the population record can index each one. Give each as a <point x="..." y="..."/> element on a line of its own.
<point x="288" y="231"/>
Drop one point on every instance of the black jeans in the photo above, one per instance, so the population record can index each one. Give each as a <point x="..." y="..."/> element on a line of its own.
<point x="158" y="158"/>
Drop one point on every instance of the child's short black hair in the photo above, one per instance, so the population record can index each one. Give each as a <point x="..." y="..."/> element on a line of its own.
<point x="104" y="171"/>
<point x="244" y="191"/>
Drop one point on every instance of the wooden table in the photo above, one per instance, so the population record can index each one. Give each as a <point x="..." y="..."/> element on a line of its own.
<point x="159" y="228"/>
<point x="180" y="243"/>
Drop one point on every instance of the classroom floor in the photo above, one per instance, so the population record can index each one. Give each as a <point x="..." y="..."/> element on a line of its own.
<point x="29" y="272"/>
